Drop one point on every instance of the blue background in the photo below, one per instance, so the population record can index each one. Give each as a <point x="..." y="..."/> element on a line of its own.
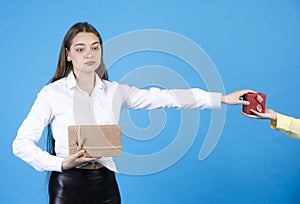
<point x="254" y="44"/>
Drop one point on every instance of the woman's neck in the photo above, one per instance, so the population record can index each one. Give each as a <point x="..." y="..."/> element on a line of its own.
<point x="86" y="82"/>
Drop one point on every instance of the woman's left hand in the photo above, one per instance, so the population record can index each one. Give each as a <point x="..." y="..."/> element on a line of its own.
<point x="234" y="98"/>
<point x="268" y="114"/>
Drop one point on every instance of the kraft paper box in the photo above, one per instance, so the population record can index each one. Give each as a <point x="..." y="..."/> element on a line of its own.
<point x="97" y="140"/>
<point x="257" y="102"/>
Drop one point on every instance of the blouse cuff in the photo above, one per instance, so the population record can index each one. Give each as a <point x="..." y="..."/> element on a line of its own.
<point x="56" y="164"/>
<point x="215" y="99"/>
<point x="282" y="122"/>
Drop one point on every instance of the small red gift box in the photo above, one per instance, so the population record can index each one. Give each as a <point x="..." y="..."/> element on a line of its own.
<point x="257" y="102"/>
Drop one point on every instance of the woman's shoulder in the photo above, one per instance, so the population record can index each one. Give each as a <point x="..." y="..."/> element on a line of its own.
<point x="106" y="81"/>
<point x="60" y="82"/>
<point x="108" y="84"/>
<point x="57" y="85"/>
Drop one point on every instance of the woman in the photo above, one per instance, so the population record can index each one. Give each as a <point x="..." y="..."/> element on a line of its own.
<point x="283" y="123"/>
<point x="80" y="93"/>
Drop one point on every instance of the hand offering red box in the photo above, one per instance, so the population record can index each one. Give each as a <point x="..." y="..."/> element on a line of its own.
<point x="257" y="102"/>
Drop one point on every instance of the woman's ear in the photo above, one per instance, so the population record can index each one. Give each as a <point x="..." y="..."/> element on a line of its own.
<point x="67" y="55"/>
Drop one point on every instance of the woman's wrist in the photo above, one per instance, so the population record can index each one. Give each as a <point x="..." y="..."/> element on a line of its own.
<point x="273" y="115"/>
<point x="222" y="99"/>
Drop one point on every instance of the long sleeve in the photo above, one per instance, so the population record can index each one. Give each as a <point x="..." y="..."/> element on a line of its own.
<point x="173" y="98"/>
<point x="29" y="133"/>
<point x="288" y="125"/>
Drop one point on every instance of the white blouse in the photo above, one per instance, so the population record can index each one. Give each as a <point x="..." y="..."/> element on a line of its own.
<point x="62" y="104"/>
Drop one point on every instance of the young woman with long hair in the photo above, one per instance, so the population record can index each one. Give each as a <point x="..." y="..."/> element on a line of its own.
<point x="80" y="94"/>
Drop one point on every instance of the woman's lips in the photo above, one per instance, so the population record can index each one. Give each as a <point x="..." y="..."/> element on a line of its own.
<point x="90" y="63"/>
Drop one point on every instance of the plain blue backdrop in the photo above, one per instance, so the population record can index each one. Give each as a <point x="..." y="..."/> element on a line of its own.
<point x="254" y="44"/>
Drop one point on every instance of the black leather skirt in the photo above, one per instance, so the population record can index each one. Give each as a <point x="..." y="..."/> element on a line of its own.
<point x="83" y="186"/>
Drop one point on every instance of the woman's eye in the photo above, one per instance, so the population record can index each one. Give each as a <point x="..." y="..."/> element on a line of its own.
<point x="79" y="50"/>
<point x="95" y="48"/>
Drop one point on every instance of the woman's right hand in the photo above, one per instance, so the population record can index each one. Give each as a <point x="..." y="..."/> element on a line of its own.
<point x="75" y="159"/>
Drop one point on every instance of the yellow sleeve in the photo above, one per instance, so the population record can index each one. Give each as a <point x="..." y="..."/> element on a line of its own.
<point x="286" y="124"/>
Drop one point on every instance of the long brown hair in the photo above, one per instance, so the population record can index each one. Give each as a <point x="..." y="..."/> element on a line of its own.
<point x="64" y="66"/>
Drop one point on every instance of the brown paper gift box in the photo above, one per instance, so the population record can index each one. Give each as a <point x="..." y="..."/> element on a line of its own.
<point x="97" y="140"/>
<point x="257" y="102"/>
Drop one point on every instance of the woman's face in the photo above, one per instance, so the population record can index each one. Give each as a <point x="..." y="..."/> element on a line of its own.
<point x="85" y="53"/>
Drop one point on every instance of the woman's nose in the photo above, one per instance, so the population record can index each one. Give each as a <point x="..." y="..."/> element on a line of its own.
<point x="89" y="53"/>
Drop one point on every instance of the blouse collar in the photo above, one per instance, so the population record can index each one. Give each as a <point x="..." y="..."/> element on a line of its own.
<point x="71" y="81"/>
